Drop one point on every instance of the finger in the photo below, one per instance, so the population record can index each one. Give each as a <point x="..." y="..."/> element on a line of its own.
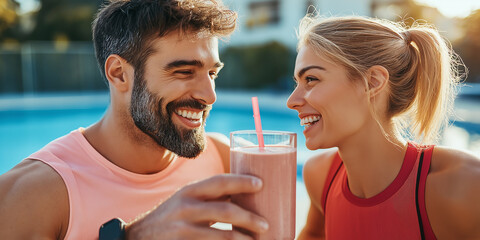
<point x="228" y="212"/>
<point x="220" y="199"/>
<point x="216" y="234"/>
<point x="222" y="185"/>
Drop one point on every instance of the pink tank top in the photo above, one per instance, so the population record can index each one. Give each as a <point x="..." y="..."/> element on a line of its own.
<point x="98" y="190"/>
<point x="398" y="212"/>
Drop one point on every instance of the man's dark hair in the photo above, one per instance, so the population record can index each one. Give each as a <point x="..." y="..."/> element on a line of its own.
<point x="127" y="27"/>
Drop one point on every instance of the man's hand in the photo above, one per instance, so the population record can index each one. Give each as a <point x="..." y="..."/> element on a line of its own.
<point x="187" y="214"/>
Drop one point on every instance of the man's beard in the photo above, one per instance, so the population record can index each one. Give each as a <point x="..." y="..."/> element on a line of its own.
<point x="148" y="115"/>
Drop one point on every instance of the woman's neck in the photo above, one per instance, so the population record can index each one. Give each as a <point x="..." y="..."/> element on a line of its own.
<point x="372" y="161"/>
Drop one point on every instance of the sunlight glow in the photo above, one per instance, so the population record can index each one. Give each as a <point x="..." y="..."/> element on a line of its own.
<point x="449" y="8"/>
<point x="28" y="5"/>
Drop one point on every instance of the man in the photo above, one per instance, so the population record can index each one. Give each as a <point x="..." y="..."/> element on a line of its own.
<point x="160" y="58"/>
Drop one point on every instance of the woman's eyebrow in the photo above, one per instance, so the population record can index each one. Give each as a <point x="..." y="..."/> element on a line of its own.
<point x="305" y="69"/>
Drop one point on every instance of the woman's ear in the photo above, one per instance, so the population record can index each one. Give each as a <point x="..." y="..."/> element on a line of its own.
<point x="377" y="77"/>
<point x="118" y="72"/>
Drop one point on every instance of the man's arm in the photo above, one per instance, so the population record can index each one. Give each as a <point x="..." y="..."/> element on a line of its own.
<point x="33" y="203"/>
<point x="188" y="213"/>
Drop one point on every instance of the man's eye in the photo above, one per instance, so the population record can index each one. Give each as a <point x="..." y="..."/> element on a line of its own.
<point x="185" y="72"/>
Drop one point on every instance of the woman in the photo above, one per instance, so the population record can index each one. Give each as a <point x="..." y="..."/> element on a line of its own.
<point x="366" y="86"/>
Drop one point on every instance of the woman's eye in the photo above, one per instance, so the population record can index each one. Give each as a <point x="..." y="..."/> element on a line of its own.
<point x="213" y="75"/>
<point x="310" y="79"/>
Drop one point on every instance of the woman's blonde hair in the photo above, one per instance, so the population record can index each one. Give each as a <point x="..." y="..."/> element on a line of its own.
<point x="423" y="69"/>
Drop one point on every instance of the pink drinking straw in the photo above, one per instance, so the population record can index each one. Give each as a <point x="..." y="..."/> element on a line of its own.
<point x="258" y="122"/>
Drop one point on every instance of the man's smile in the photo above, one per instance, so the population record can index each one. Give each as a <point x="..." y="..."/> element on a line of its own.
<point x="192" y="118"/>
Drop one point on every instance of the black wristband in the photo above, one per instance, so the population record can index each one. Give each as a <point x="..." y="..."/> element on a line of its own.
<point x="112" y="230"/>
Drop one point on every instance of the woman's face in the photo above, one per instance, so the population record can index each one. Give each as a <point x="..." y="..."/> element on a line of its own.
<point x="331" y="107"/>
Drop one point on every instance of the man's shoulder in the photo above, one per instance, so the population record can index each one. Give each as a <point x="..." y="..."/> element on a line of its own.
<point x="72" y="147"/>
<point x="31" y="191"/>
<point x="219" y="139"/>
<point x="223" y="146"/>
<point x="31" y="177"/>
<point x="38" y="173"/>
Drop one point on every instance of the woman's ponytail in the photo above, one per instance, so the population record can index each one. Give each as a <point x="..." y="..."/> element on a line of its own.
<point x="435" y="81"/>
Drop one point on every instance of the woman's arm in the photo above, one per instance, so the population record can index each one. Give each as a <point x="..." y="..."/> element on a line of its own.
<point x="452" y="194"/>
<point x="315" y="172"/>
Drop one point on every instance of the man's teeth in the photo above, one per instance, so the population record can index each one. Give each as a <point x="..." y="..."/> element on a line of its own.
<point x="190" y="115"/>
<point x="309" y="120"/>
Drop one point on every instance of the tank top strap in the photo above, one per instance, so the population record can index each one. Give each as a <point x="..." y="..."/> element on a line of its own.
<point x="423" y="169"/>
<point x="332" y="172"/>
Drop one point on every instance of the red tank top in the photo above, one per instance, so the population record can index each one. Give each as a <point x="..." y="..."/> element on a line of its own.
<point x="398" y="212"/>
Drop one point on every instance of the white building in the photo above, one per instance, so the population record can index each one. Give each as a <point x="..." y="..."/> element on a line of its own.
<point x="261" y="21"/>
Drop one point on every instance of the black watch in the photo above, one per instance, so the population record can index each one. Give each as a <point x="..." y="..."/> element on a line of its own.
<point x="112" y="230"/>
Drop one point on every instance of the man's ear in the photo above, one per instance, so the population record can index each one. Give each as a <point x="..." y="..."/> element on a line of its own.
<point x="377" y="77"/>
<point x="118" y="72"/>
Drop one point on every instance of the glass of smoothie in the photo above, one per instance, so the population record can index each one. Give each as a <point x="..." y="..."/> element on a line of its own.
<point x="276" y="165"/>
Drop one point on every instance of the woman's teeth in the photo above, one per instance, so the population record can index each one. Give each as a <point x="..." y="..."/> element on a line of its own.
<point x="189" y="114"/>
<point x="307" y="121"/>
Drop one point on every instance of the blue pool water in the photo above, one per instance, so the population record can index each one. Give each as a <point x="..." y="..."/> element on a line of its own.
<point x="24" y="131"/>
<point x="27" y="124"/>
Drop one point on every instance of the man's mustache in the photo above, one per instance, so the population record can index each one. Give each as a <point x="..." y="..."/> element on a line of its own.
<point x="190" y="103"/>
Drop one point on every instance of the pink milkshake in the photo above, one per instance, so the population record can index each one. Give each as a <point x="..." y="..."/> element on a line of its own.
<point x="277" y="167"/>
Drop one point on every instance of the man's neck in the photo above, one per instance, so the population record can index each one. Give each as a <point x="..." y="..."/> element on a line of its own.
<point x="127" y="147"/>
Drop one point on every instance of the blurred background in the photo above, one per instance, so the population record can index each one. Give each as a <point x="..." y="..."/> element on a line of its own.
<point x="50" y="83"/>
<point x="46" y="44"/>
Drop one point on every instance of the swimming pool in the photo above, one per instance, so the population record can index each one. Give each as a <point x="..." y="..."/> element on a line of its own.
<point x="28" y="123"/>
<point x="28" y="126"/>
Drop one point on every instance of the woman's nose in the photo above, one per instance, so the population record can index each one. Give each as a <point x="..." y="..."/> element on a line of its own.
<point x="296" y="99"/>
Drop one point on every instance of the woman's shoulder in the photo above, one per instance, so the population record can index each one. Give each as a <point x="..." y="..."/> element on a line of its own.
<point x="319" y="164"/>
<point x="452" y="192"/>
<point x="315" y="172"/>
<point x="452" y="162"/>
<point x="455" y="171"/>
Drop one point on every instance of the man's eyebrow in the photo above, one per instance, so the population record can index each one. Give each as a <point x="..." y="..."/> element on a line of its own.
<point x="182" y="63"/>
<point x="196" y="63"/>
<point x="305" y="69"/>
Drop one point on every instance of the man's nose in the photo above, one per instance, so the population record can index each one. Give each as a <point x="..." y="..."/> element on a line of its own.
<point x="204" y="90"/>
